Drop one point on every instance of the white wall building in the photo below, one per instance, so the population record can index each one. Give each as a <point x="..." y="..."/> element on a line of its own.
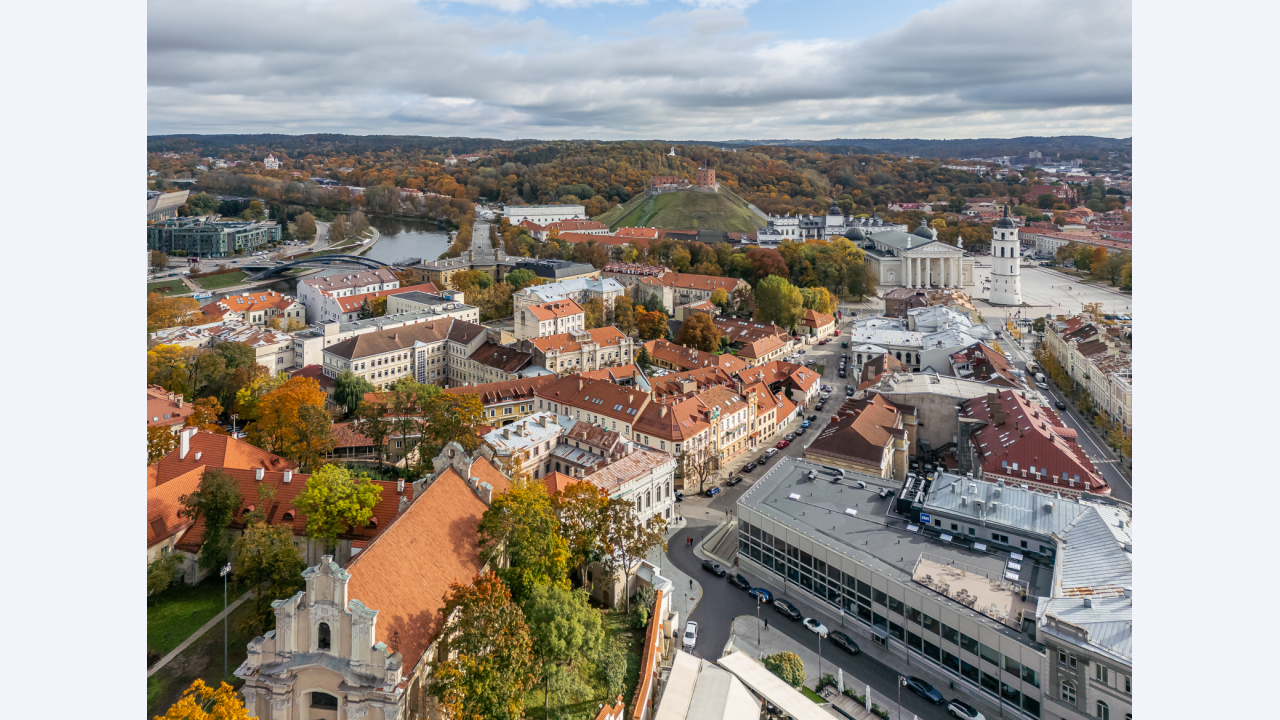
<point x="543" y="214"/>
<point x="313" y="291"/>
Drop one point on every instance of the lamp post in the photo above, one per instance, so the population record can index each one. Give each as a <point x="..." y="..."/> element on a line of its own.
<point x="757" y="621"/>
<point x="234" y="417"/>
<point x="901" y="681"/>
<point x="226" y="570"/>
<point x="820" y="636"/>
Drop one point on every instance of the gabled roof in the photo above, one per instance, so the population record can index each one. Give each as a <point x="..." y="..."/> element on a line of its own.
<point x="504" y="391"/>
<point x="216" y="451"/>
<point x="864" y="430"/>
<point x="558" y="481"/>
<point x="555" y="309"/>
<point x="984" y="365"/>
<point x="877" y="367"/>
<point x="503" y="358"/>
<point x="406" y="571"/>
<point x="166" y="408"/>
<point x="249" y="302"/>
<point x="674" y="422"/>
<point x="815" y="319"/>
<point x="607" y="336"/>
<point x="689" y="281"/>
<point x="596" y="396"/>
<point x="676" y="383"/>
<point x="352" y="303"/>
<point x="400" y="338"/>
<point x="164" y="508"/>
<point x="689" y="358"/>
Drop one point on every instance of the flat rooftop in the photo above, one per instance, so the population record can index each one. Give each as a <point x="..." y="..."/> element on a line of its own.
<point x="883" y="541"/>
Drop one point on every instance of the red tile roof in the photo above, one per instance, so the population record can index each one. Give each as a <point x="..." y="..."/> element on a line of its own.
<point x="505" y="391"/>
<point x="166" y="408"/>
<point x="501" y="357"/>
<point x="596" y="396"/>
<point x="555" y="309"/>
<point x="558" y="481"/>
<point x="576" y="225"/>
<point x="691" y="359"/>
<point x="862" y="431"/>
<point x="248" y="302"/>
<point x="164" y="518"/>
<point x="1015" y="430"/>
<point x="216" y="451"/>
<point x="352" y="303"/>
<point x="815" y="319"/>
<point x="607" y="336"/>
<point x="316" y="372"/>
<point x="597" y="239"/>
<point x="639" y="232"/>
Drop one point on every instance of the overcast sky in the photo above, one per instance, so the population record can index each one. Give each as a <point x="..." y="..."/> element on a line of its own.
<point x="621" y="69"/>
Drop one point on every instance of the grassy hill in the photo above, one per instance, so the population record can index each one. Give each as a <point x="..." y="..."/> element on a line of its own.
<point x="685" y="210"/>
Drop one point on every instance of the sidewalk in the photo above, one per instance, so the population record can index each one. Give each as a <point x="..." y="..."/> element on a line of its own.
<point x="743" y="637"/>
<point x="685" y="600"/>
<point x="196" y="635"/>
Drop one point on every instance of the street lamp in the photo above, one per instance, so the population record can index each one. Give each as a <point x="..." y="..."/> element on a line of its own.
<point x="226" y="570"/>
<point x="901" y="682"/>
<point x="757" y="621"/>
<point x="234" y="417"/>
<point x="820" y="636"/>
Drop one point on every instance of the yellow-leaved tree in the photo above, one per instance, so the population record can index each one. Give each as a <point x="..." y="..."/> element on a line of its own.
<point x="202" y="702"/>
<point x="291" y="422"/>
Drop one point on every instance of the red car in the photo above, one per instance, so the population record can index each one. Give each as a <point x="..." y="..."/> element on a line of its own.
<point x="783" y="443"/>
<point x="822" y="342"/>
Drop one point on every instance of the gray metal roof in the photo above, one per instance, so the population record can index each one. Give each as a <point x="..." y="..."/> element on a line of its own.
<point x="1014" y="508"/>
<point x="1093" y="560"/>
<point x="1109" y="622"/>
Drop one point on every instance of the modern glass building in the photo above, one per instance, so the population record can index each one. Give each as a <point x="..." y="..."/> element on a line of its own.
<point x="200" y="237"/>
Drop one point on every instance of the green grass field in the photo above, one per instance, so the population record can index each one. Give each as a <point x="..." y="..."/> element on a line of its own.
<point x="812" y="695"/>
<point x="685" y="210"/>
<point x="202" y="659"/>
<point x="217" y="282"/>
<point x="172" y="286"/>
<point x="178" y="612"/>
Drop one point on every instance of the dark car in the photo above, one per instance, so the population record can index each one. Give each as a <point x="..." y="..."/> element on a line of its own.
<point x="713" y="567"/>
<point x="813" y="418"/>
<point x="711" y="491"/>
<point x="748" y="467"/>
<point x="761" y="594"/>
<point x="924" y="689"/>
<point x="762" y="460"/>
<point x="842" y="373"/>
<point x="845" y="642"/>
<point x="1060" y="405"/>
<point x="734" y="480"/>
<point x="791" y="436"/>
<point x="679" y="496"/>
<point x="739" y="580"/>
<point x="787" y="609"/>
<point x="801" y="431"/>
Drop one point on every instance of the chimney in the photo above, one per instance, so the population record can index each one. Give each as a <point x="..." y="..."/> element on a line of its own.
<point x="1088" y="602"/>
<point x="184" y="442"/>
<point x="197" y="456"/>
<point x="288" y="476"/>
<point x="400" y="485"/>
<point x="258" y="473"/>
<point x="404" y="503"/>
<point x="179" y="402"/>
<point x="997" y="413"/>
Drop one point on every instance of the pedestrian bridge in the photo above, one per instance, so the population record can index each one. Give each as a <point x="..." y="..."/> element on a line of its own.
<point x="320" y="261"/>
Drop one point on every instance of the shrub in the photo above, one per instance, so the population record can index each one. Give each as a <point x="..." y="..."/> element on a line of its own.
<point x="788" y="666"/>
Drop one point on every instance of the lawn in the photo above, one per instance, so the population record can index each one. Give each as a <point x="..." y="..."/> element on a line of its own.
<point x="202" y="659"/>
<point x="615" y="622"/>
<point x="812" y="695"/>
<point x="180" y="611"/>
<point x="217" y="282"/>
<point x="173" y="286"/>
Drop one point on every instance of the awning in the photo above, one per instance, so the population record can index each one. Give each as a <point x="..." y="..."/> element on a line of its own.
<point x="879" y="632"/>
<point x="1016" y="556"/>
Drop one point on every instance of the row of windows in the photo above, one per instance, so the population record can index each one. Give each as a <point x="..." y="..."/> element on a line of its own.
<point x="858" y="599"/>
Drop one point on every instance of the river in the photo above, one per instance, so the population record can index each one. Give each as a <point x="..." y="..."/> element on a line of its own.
<point x="407" y="240"/>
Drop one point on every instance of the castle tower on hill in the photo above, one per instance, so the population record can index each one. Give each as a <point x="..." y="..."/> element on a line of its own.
<point x="705" y="178"/>
<point x="1006" y="263"/>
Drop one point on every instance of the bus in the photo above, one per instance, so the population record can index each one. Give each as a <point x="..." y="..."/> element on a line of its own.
<point x="1032" y="367"/>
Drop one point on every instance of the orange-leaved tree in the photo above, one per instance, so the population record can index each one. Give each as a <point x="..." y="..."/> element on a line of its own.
<point x="202" y="702"/>
<point x="204" y="416"/>
<point x="284" y="428"/>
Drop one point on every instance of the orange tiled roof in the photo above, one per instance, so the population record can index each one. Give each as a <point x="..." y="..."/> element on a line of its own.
<point x="166" y="408"/>
<point x="216" y="451"/>
<point x="248" y="303"/>
<point x="555" y="309"/>
<point x="406" y="571"/>
<point x="558" y="481"/>
<point x="352" y="303"/>
<point x="163" y="506"/>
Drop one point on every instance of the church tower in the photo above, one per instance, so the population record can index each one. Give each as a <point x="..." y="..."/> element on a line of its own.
<point x="1006" y="263"/>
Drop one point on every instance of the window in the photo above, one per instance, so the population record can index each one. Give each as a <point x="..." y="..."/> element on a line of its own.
<point x="1100" y="672"/>
<point x="323" y="701"/>
<point x="968" y="643"/>
<point x="1062" y="657"/>
<point x="1068" y="692"/>
<point x="949" y="633"/>
<point x="955" y="527"/>
<point x="971" y="531"/>
<point x="1128" y="684"/>
<point x="1104" y="712"/>
<point x="322" y="637"/>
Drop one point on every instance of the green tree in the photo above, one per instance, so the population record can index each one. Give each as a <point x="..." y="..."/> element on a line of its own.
<point x="779" y="302"/>
<point x="956" y="203"/>
<point x="305" y="227"/>
<point x="162" y="572"/>
<point x="520" y="527"/>
<point x="644" y="360"/>
<point x="699" y="331"/>
<point x="371" y="421"/>
<point x="203" y="204"/>
<point x="314" y="431"/>
<point x="255" y="211"/>
<point x="349" y="390"/>
<point x="520" y="279"/>
<point x="581" y="508"/>
<point x="593" y="313"/>
<point x="336" y="501"/>
<point x="719" y="297"/>
<point x="268" y="564"/>
<point x="653" y="303"/>
<point x="567" y="633"/>
<point x="786" y="665"/>
<point x="1045" y="201"/>
<point x="485" y="662"/>
<point x="216" y="500"/>
<point x="160" y="442"/>
<point x="627" y="539"/>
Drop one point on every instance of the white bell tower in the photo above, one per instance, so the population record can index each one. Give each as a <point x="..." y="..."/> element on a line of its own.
<point x="1006" y="263"/>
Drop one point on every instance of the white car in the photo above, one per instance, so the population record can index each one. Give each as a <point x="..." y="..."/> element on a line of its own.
<point x="816" y="626"/>
<point x="964" y="710"/>
<point x="690" y="635"/>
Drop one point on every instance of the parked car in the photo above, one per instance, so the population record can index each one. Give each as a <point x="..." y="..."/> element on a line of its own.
<point x="739" y="580"/>
<point x="748" y="467"/>
<point x="787" y="609"/>
<point x="772" y="451"/>
<point x="842" y="374"/>
<point x="845" y="642"/>
<point x="791" y="436"/>
<point x="761" y="594"/>
<point x="844" y="344"/>
<point x="733" y="480"/>
<point x="690" y="635"/>
<point x="924" y="689"/>
<point x="813" y="418"/>
<point x="1060" y="405"/>
<point x="806" y="423"/>
<point x="802" y="431"/>
<point x="679" y="496"/>
<point x="822" y="342"/>
<point x="963" y="710"/>
<point x="783" y="443"/>
<point x="713" y="567"/>
<point x="711" y="491"/>
<point x="815" y="626"/>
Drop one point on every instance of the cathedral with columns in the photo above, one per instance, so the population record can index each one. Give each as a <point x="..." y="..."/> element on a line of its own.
<point x="916" y="259"/>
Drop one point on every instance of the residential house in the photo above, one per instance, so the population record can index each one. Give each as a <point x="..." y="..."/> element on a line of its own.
<point x="581" y="350"/>
<point x="603" y="403"/>
<point x="872" y="435"/>
<point x="258" y="308"/>
<point x="313" y="292"/>
<point x="580" y="290"/>
<point x="781" y="376"/>
<point x="666" y="354"/>
<point x="492" y="363"/>
<point x="817" y="325"/>
<point x="1099" y="359"/>
<point x="166" y="409"/>
<point x="551" y="318"/>
<point x="506" y="401"/>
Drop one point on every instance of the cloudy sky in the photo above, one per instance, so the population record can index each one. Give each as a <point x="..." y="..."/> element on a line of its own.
<point x="619" y="69"/>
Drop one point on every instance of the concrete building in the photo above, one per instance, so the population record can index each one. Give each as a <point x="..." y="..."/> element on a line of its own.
<point x="553" y="318"/>
<point x="915" y="260"/>
<point x="208" y="238"/>
<point x="309" y="344"/>
<point x="347" y="308"/>
<point x="360" y="640"/>
<point x="873" y="436"/>
<point x="1006" y="263"/>
<point x="835" y="223"/>
<point x="164" y="206"/>
<point x="507" y="401"/>
<point x="835" y="543"/>
<point x="314" y="291"/>
<point x="935" y="398"/>
<point x="273" y="350"/>
<point x="543" y="214"/>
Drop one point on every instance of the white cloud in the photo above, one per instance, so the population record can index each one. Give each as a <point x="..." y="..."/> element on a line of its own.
<point x="969" y="68"/>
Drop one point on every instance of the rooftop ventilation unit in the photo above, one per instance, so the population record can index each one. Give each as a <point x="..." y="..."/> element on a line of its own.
<point x="794" y="496"/>
<point x="851" y="512"/>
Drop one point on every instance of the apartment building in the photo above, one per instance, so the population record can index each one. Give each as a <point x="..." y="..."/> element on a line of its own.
<point x="551" y="318"/>
<point x="309" y="344"/>
<point x="670" y="356"/>
<point x="272" y="349"/>
<point x="1098" y="358"/>
<point x="209" y="238"/>
<point x="581" y="350"/>
<point x="314" y="291"/>
<point x="435" y="351"/>
<point x="347" y="308"/>
<point x="580" y="290"/>
<point x="600" y="402"/>
<point x="507" y="401"/>
<point x="873" y="436"/>
<point x="755" y="343"/>
<point x="258" y="308"/>
<point x="492" y="363"/>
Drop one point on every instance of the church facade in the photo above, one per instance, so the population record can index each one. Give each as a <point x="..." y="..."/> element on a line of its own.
<point x="915" y="260"/>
